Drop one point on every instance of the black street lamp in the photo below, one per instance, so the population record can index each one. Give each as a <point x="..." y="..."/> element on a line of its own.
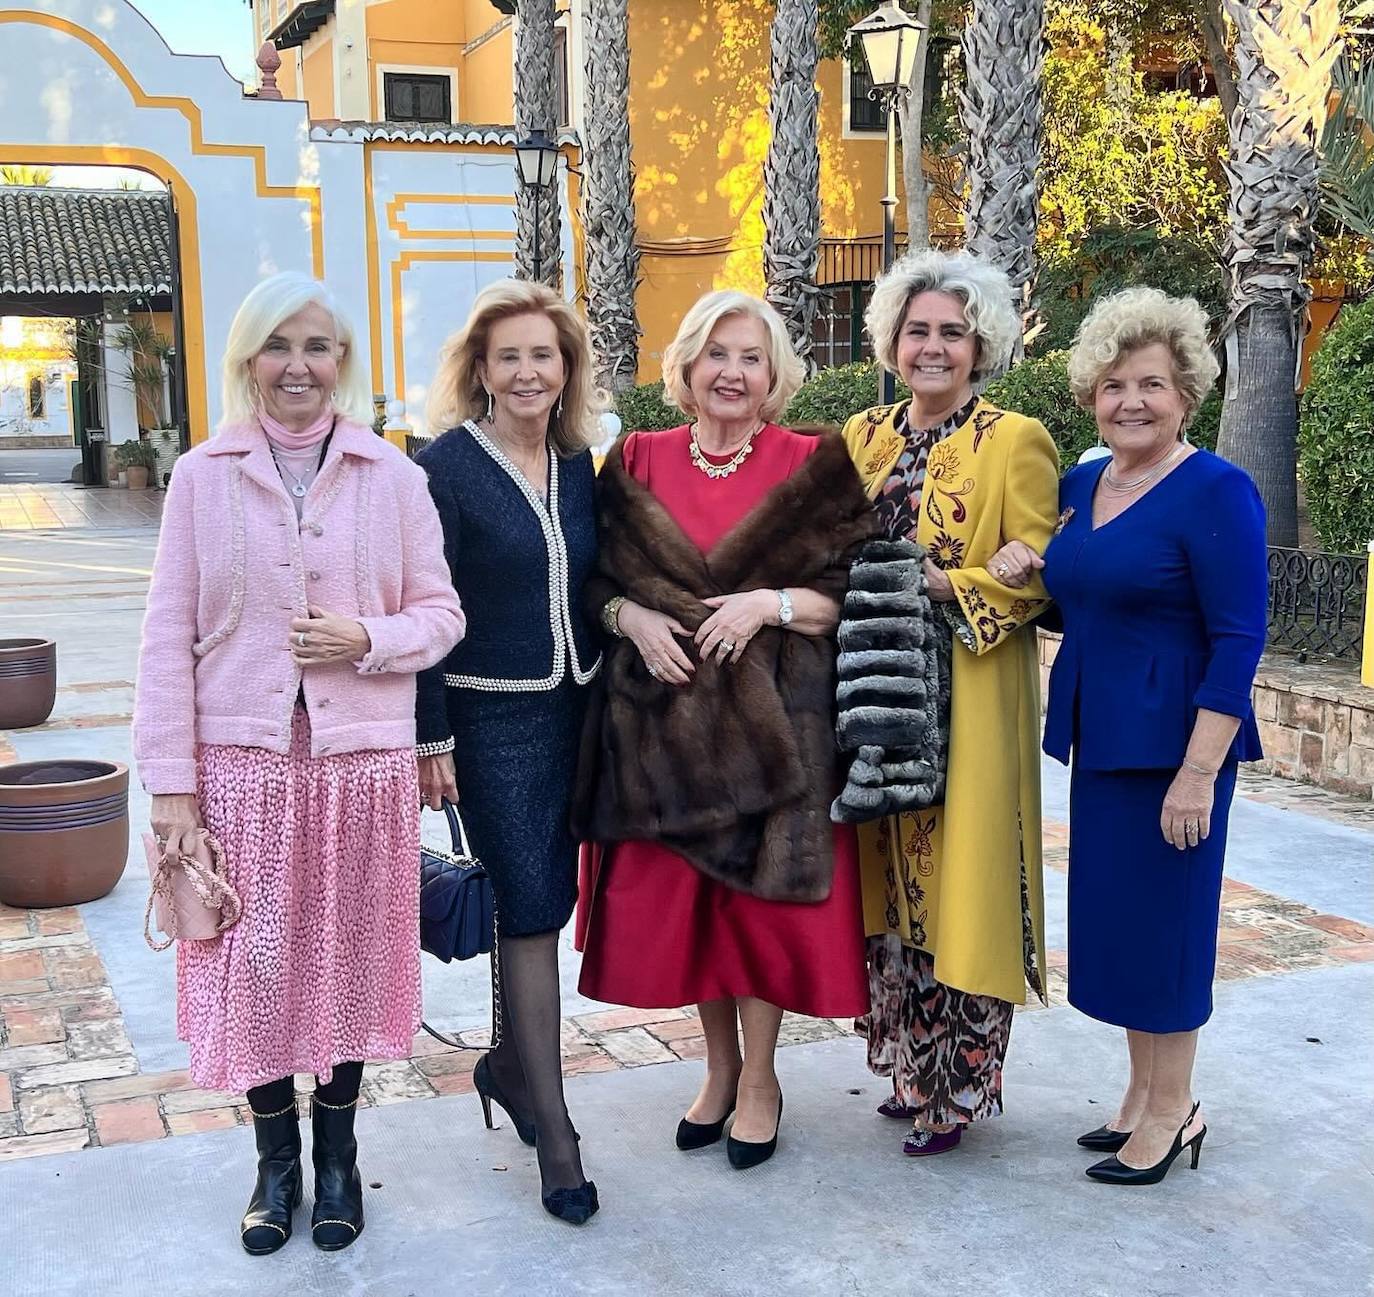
<point x="891" y="40"/>
<point x="536" y="159"/>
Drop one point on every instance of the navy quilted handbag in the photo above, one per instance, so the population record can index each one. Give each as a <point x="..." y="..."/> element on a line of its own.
<point x="457" y="908"/>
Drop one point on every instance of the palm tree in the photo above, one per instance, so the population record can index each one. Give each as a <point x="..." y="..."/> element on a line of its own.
<point x="1004" y="51"/>
<point x="792" y="173"/>
<point x="1347" y="149"/>
<point x="608" y="195"/>
<point x="1285" y="51"/>
<point x="21" y="175"/>
<point x="536" y="109"/>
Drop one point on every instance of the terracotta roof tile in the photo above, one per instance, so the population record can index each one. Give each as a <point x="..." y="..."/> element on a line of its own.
<point x="84" y="241"/>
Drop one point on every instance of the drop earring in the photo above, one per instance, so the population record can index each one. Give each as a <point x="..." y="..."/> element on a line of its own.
<point x="491" y="405"/>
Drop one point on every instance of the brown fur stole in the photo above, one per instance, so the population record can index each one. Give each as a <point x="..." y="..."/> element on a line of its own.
<point x="734" y="771"/>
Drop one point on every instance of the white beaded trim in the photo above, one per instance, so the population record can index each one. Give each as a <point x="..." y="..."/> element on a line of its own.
<point x="560" y="618"/>
<point x="435" y="748"/>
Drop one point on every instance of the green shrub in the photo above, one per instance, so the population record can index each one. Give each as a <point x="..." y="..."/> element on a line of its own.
<point x="835" y="395"/>
<point x="1039" y="388"/>
<point x="643" y="408"/>
<point x="1336" y="437"/>
<point x="135" y="454"/>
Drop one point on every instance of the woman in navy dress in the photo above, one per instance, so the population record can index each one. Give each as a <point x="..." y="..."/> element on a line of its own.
<point x="1159" y="570"/>
<point x="499" y="721"/>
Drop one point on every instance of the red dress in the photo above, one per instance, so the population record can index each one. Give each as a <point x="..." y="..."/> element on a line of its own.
<point x="658" y="933"/>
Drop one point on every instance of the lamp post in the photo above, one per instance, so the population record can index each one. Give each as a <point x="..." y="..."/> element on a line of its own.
<point x="891" y="40"/>
<point x="536" y="159"/>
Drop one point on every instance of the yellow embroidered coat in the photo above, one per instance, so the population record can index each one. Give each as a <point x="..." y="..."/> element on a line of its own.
<point x="963" y="881"/>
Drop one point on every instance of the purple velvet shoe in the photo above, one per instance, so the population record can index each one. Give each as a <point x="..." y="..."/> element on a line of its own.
<point x="926" y="1143"/>
<point x="891" y="1108"/>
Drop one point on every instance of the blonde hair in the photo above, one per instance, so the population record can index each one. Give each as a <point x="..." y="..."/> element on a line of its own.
<point x="1138" y="317"/>
<point x="984" y="290"/>
<point x="276" y="299"/>
<point x="457" y="393"/>
<point x="692" y="334"/>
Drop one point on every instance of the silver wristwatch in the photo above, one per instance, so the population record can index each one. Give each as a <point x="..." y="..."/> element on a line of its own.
<point x="784" y="607"/>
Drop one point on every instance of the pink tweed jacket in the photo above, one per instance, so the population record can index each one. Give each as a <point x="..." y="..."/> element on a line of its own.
<point x="234" y="567"/>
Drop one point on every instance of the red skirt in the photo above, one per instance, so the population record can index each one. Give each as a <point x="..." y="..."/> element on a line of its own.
<point x="658" y="934"/>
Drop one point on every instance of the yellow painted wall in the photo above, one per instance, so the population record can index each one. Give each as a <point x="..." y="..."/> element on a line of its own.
<point x="699" y="131"/>
<point x="318" y="87"/>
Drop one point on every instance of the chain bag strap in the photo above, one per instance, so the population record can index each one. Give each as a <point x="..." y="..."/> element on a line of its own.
<point x="458" y="917"/>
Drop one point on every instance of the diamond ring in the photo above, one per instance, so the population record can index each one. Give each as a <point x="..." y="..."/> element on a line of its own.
<point x="300" y="638"/>
<point x="727" y="645"/>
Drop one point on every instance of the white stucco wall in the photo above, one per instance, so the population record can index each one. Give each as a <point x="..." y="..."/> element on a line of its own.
<point x="257" y="191"/>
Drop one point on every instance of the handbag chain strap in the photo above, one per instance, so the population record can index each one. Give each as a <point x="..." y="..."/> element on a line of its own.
<point x="497" y="1020"/>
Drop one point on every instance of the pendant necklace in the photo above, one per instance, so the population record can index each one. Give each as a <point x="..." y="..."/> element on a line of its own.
<point x="1150" y="475"/>
<point x="715" y="471"/>
<point x="298" y="487"/>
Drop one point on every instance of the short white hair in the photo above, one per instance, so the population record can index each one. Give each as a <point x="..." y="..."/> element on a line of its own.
<point x="1137" y="317"/>
<point x="269" y="303"/>
<point x="784" y="364"/>
<point x="983" y="289"/>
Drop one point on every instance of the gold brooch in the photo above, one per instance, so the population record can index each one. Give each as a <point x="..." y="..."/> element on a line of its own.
<point x="1063" y="520"/>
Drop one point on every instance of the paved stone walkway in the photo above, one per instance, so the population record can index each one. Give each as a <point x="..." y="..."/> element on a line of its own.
<point x="28" y="506"/>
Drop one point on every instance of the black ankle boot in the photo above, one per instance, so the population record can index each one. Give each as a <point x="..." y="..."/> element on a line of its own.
<point x="267" y="1223"/>
<point x="338" y="1215"/>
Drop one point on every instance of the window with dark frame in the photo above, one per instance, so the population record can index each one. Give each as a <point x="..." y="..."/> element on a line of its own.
<point x="560" y="75"/>
<point x="865" y="114"/>
<point x="417" y="97"/>
<point x="38" y="397"/>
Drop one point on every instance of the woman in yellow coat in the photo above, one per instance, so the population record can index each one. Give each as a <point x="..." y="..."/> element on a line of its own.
<point x="952" y="895"/>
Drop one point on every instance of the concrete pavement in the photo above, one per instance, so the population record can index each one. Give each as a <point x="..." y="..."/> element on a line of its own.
<point x="1282" y="1202"/>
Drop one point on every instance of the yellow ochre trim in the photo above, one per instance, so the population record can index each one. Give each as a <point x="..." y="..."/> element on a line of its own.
<point x="1367" y="664"/>
<point x="374" y="275"/>
<point x="398" y="268"/>
<point x="188" y="231"/>
<point x="188" y="108"/>
<point x="396" y="222"/>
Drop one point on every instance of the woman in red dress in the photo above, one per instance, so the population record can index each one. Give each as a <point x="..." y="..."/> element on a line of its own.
<point x="709" y="766"/>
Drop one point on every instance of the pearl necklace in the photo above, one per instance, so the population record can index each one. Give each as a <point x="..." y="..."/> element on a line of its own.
<point x="715" y="471"/>
<point x="1150" y="475"/>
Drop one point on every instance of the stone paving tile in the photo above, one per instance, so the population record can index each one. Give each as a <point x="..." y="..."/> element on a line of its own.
<point x="68" y="1077"/>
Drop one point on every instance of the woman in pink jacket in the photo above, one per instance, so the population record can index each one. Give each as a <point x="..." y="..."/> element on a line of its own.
<point x="300" y="584"/>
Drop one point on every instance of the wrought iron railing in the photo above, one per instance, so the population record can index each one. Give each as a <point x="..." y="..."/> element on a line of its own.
<point x="1317" y="602"/>
<point x="416" y="442"/>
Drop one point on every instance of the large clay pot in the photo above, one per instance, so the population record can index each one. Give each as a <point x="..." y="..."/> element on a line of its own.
<point x="28" y="682"/>
<point x="64" y="831"/>
<point x="137" y="477"/>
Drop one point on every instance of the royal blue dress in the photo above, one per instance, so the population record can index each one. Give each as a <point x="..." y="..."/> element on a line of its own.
<point x="1164" y="613"/>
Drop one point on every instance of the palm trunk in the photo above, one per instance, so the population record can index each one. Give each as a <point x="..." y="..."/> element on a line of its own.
<point x="1285" y="51"/>
<point x="1213" y="25"/>
<point x="792" y="174"/>
<point x="536" y="110"/>
<point x="1004" y="53"/>
<point x="914" y="180"/>
<point x="608" y="212"/>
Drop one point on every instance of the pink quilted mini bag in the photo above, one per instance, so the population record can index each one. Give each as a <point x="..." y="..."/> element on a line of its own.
<point x="191" y="896"/>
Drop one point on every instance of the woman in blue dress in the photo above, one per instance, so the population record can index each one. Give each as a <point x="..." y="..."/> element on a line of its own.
<point x="1158" y="567"/>
<point x="499" y="722"/>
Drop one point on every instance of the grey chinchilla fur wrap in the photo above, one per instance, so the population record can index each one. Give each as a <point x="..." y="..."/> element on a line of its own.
<point x="894" y="669"/>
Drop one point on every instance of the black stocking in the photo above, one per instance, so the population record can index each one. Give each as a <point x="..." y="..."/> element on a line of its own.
<point x="343" y="1086"/>
<point x="272" y="1097"/>
<point x="530" y="1016"/>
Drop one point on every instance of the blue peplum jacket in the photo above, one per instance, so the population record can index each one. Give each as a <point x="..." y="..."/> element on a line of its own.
<point x="1163" y="611"/>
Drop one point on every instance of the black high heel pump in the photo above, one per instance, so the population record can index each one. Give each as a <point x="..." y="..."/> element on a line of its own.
<point x="701" y="1134"/>
<point x="1104" y="1139"/>
<point x="489" y="1092"/>
<point x="1112" y="1170"/>
<point x="744" y="1153"/>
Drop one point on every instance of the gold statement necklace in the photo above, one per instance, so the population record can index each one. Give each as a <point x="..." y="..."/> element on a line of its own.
<point x="732" y="464"/>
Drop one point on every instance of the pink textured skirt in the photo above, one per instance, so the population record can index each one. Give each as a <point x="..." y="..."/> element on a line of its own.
<point x="324" y="965"/>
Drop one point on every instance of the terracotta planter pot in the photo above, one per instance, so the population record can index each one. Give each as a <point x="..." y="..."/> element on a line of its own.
<point x="137" y="477"/>
<point x="64" y="831"/>
<point x="28" y="682"/>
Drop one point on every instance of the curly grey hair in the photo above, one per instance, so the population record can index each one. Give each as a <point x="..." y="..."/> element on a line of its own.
<point x="983" y="288"/>
<point x="1133" y="318"/>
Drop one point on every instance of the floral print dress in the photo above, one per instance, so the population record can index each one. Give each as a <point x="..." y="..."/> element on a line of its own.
<point x="942" y="1047"/>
